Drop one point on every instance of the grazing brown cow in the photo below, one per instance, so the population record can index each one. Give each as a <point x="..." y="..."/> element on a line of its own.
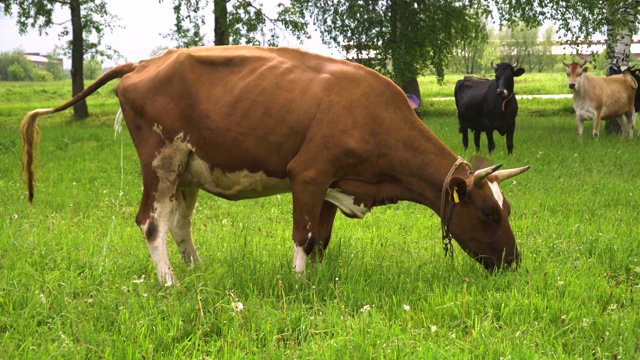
<point x="245" y="122"/>
<point x="599" y="98"/>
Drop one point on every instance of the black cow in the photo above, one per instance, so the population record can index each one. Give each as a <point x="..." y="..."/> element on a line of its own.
<point x="488" y="105"/>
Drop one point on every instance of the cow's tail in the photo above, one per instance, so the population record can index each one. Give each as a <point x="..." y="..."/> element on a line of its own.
<point x="631" y="80"/>
<point x="31" y="134"/>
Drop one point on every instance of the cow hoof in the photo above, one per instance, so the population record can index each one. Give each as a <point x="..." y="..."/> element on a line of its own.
<point x="166" y="277"/>
<point x="191" y="261"/>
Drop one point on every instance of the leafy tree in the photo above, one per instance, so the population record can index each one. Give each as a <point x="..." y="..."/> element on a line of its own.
<point x="236" y="22"/>
<point x="521" y="44"/>
<point x="15" y="59"/>
<point x="468" y="56"/>
<point x="415" y="36"/>
<point x="92" y="68"/>
<point x="89" y="19"/>
<point x="580" y="20"/>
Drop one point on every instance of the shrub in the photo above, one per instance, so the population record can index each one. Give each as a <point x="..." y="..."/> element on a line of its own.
<point x="15" y="72"/>
<point x="41" y="75"/>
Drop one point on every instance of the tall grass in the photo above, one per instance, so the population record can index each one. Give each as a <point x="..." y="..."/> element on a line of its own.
<point x="76" y="280"/>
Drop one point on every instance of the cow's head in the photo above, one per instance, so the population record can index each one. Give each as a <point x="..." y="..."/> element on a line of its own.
<point x="505" y="73"/>
<point x="478" y="216"/>
<point x="574" y="73"/>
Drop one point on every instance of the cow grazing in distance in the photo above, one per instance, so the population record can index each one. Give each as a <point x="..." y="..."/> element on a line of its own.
<point x="243" y="122"/>
<point x="486" y="105"/>
<point x="597" y="98"/>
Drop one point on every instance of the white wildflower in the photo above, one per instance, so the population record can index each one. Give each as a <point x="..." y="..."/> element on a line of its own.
<point x="42" y="298"/>
<point x="433" y="328"/>
<point x="365" y="308"/>
<point x="237" y="306"/>
<point x="406" y="307"/>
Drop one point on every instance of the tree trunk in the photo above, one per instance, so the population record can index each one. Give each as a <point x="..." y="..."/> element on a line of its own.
<point x="221" y="26"/>
<point x="619" y="40"/>
<point x="80" y="110"/>
<point x="411" y="87"/>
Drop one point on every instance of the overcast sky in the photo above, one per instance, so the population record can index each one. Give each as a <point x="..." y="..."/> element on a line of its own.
<point x="142" y="22"/>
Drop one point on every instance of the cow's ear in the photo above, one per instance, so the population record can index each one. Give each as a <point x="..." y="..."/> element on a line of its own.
<point x="457" y="189"/>
<point x="585" y="69"/>
<point x="518" y="72"/>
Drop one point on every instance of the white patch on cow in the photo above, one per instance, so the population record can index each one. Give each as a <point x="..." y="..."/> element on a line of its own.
<point x="168" y="164"/>
<point x="157" y="128"/>
<point x="158" y="251"/>
<point x="346" y="203"/>
<point x="234" y="185"/>
<point x="299" y="258"/>
<point x="495" y="188"/>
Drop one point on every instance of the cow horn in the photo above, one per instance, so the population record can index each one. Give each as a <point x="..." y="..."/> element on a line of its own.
<point x="565" y="64"/>
<point x="509" y="173"/>
<point x="584" y="63"/>
<point x="480" y="175"/>
<point x="493" y="66"/>
<point x="515" y="65"/>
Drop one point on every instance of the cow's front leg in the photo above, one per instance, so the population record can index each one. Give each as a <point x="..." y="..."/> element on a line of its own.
<point x="510" y="141"/>
<point x="180" y="225"/>
<point x="490" y="143"/>
<point x="579" y="125"/>
<point x="325" y="226"/>
<point x="465" y="136"/>
<point x="308" y="194"/>
<point x="476" y="139"/>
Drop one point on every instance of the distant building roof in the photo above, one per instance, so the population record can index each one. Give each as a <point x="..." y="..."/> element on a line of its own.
<point x="36" y="58"/>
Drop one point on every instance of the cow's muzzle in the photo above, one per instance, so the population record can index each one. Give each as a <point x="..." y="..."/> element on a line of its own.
<point x="503" y="93"/>
<point x="572" y="86"/>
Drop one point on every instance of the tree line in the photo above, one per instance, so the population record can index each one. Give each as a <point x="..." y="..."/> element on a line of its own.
<point x="414" y="36"/>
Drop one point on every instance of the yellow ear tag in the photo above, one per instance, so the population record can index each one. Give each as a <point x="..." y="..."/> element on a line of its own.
<point x="455" y="195"/>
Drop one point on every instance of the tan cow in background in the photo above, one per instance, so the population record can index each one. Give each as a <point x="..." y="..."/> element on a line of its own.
<point x="596" y="98"/>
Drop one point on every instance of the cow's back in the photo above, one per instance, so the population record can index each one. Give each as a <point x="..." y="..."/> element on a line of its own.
<point x="475" y="100"/>
<point x="250" y="99"/>
<point x="611" y="96"/>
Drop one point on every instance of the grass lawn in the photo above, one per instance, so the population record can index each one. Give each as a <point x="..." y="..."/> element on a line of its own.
<point x="77" y="282"/>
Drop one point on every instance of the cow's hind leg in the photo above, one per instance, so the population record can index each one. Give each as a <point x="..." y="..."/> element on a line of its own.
<point x="596" y="126"/>
<point x="161" y="171"/>
<point x="180" y="226"/>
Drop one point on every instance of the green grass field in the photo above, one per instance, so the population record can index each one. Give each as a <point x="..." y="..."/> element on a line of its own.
<point x="77" y="282"/>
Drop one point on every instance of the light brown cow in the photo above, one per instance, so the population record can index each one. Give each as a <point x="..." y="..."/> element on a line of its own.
<point x="599" y="98"/>
<point x="246" y="122"/>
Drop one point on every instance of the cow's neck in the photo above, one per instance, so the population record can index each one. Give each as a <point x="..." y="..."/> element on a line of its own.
<point x="414" y="170"/>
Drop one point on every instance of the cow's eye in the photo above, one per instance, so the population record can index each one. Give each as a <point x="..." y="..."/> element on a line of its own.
<point x="489" y="215"/>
